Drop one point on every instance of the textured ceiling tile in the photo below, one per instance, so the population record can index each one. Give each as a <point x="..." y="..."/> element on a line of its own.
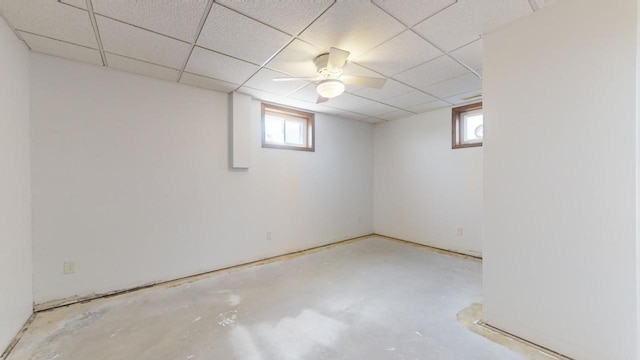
<point x="263" y="80"/>
<point x="409" y="99"/>
<point x="261" y="95"/>
<point x="412" y="12"/>
<point x="218" y="66"/>
<point x="353" y="69"/>
<point x="50" y="18"/>
<point x="545" y="3"/>
<point x="467" y="97"/>
<point x="277" y="99"/>
<point x="432" y="105"/>
<point x="433" y="72"/>
<point x="394" y="115"/>
<point x="62" y="49"/>
<point x="470" y="55"/>
<point x="207" y="83"/>
<point x="307" y="93"/>
<point x="288" y="16"/>
<point x="179" y="19"/>
<point x="355" y="26"/>
<point x="297" y="59"/>
<point x="78" y="3"/>
<point x="348" y="102"/>
<point x="237" y="35"/>
<point x="141" y="68"/>
<point x="461" y="84"/>
<point x="130" y="41"/>
<point x="343" y="113"/>
<point x="374" y="109"/>
<point x="399" y="54"/>
<point x="455" y="26"/>
<point x="391" y="88"/>
<point x="467" y="20"/>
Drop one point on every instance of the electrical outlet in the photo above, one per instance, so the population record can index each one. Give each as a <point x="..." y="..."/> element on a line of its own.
<point x="268" y="235"/>
<point x="460" y="231"/>
<point x="68" y="267"/>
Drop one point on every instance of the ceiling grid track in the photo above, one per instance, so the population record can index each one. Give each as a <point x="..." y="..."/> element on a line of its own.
<point x="534" y="5"/>
<point x="295" y="37"/>
<point x="94" y="23"/>
<point x="15" y="32"/>
<point x="203" y="20"/>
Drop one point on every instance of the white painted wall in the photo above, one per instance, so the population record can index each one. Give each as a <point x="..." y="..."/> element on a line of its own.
<point x="424" y="190"/>
<point x="15" y="195"/>
<point x="131" y="180"/>
<point x="560" y="179"/>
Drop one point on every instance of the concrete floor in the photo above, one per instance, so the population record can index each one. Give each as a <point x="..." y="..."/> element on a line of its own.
<point x="370" y="299"/>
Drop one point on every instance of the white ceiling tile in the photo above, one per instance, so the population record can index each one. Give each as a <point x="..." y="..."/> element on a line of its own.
<point x="348" y="102"/>
<point x="355" y="26"/>
<point x="467" y="20"/>
<point x="467" y="97"/>
<point x="432" y="72"/>
<point x="263" y="80"/>
<point x="297" y="59"/>
<point x="281" y="100"/>
<point x="288" y="16"/>
<point x="62" y="49"/>
<point x="409" y="99"/>
<point x="390" y="89"/>
<point x="141" y="68"/>
<point x="457" y="25"/>
<point x="345" y="114"/>
<point x="545" y="3"/>
<point x="353" y="69"/>
<point x="374" y="109"/>
<point x="179" y="19"/>
<point x="207" y="83"/>
<point x="234" y="34"/>
<point x="432" y="105"/>
<point x="457" y="85"/>
<point x="51" y="19"/>
<point x="218" y="66"/>
<point x="307" y="93"/>
<point x="470" y="55"/>
<point x="394" y="115"/>
<point x="399" y="54"/>
<point x="412" y="12"/>
<point x="133" y="42"/>
<point x="78" y="3"/>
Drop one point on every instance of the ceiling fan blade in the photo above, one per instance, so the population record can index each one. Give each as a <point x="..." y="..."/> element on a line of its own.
<point x="337" y="58"/>
<point x="297" y="79"/>
<point x="365" y="81"/>
<point x="321" y="99"/>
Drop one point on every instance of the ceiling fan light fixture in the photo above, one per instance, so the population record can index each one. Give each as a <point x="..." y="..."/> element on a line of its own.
<point x="330" y="88"/>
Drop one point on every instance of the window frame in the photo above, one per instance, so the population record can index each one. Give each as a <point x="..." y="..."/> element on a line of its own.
<point x="308" y="116"/>
<point x="456" y="126"/>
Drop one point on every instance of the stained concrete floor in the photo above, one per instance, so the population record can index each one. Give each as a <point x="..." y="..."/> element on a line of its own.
<point x="370" y="299"/>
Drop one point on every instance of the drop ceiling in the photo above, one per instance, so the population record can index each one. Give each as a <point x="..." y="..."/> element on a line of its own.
<point x="430" y="52"/>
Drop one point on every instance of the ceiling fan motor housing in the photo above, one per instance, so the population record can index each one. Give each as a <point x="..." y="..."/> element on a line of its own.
<point x="321" y="64"/>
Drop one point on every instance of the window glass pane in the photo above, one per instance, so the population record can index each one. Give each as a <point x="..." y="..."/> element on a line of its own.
<point x="274" y="129"/>
<point x="472" y="126"/>
<point x="294" y="132"/>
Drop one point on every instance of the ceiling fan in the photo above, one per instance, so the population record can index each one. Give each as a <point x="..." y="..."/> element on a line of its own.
<point x="330" y="80"/>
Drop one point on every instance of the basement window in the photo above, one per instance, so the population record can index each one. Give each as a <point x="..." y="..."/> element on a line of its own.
<point x="285" y="128"/>
<point x="467" y="126"/>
